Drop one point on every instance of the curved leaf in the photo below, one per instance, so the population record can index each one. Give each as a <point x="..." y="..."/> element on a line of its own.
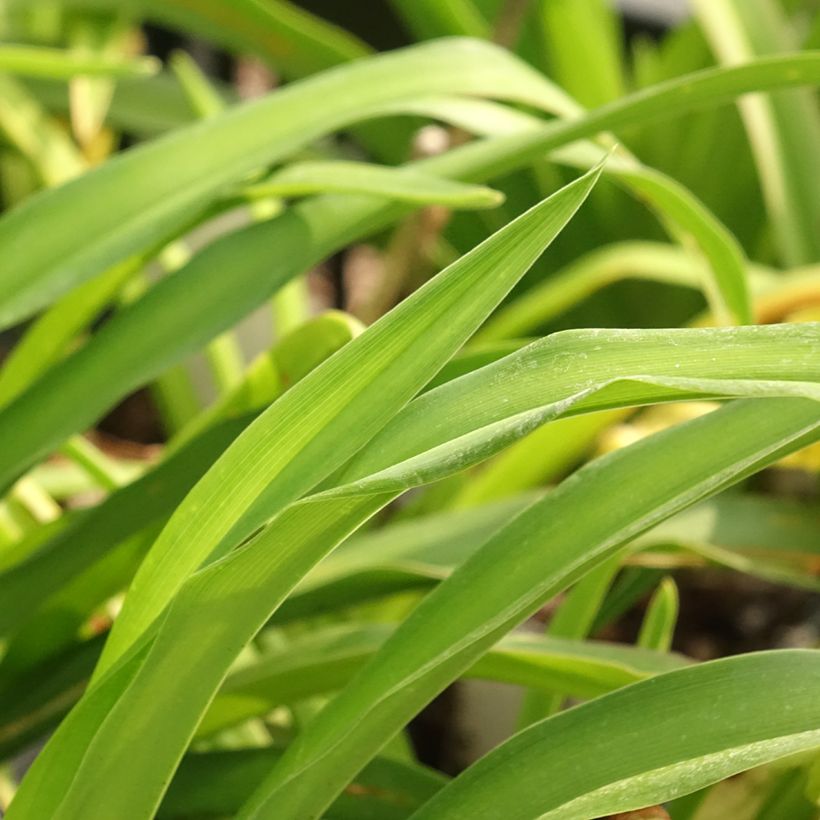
<point x="650" y="261"/>
<point x="154" y="190"/>
<point x="783" y="130"/>
<point x="289" y="38"/>
<point x="680" y="211"/>
<point x="53" y="63"/>
<point x="327" y="659"/>
<point x="646" y="744"/>
<point x="400" y="184"/>
<point x="218" y="782"/>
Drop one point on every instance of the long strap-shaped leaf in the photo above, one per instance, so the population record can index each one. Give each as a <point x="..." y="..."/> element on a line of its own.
<point x="327" y="659"/>
<point x="343" y="176"/>
<point x="676" y="364"/>
<point x="547" y="547"/>
<point x="647" y="743"/>
<point x="783" y="130"/>
<point x="187" y="310"/>
<point x="214" y="784"/>
<point x="61" y="64"/>
<point x="771" y="538"/>
<point x="685" y="217"/>
<point x="290" y="39"/>
<point x="751" y="358"/>
<point x="565" y="366"/>
<point x="28" y="587"/>
<point x="32" y="705"/>
<point x="83" y="769"/>
<point x="324" y="419"/>
<point x="726" y="283"/>
<point x="152" y="191"/>
<point x="439" y="18"/>
<point x="749" y="355"/>
<point x="651" y="261"/>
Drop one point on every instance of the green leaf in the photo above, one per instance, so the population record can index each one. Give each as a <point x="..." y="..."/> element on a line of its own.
<point x="54" y="63"/>
<point x="327" y="659"/>
<point x="39" y="138"/>
<point x="219" y="782"/>
<point x="143" y="106"/>
<point x="289" y="38"/>
<point x="543" y="457"/>
<point x="650" y="261"/>
<point x="415" y="554"/>
<point x="591" y="27"/>
<point x="31" y="586"/>
<point x="47" y="339"/>
<point x="633" y="489"/>
<point x="647" y="743"/>
<point x="681" y="364"/>
<point x="271" y="373"/>
<point x="32" y="705"/>
<point x="661" y="616"/>
<point x="726" y="287"/>
<point x="787" y="798"/>
<point x="202" y="96"/>
<point x="236" y="595"/>
<point x="784" y="129"/>
<point x="770" y="538"/>
<point x="682" y="213"/>
<point x="100" y="37"/>
<point x="400" y="184"/>
<point x="441" y="18"/>
<point x="574" y="618"/>
<point x="590" y="370"/>
<point x="156" y="189"/>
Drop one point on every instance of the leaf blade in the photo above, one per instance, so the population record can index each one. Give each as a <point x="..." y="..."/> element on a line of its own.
<point x="691" y="728"/>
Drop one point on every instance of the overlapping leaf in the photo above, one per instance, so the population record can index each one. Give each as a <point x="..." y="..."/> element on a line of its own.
<point x="198" y="302"/>
<point x="327" y="660"/>
<point x="319" y="424"/>
<point x="633" y="489"/>
<point x="237" y="594"/>
<point x="153" y="191"/>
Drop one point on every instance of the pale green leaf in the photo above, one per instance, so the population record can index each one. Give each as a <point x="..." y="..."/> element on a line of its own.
<point x="332" y="411"/>
<point x="53" y="63"/>
<point x="784" y="129"/>
<point x="237" y="594"/>
<point x="327" y="659"/>
<point x="402" y="184"/>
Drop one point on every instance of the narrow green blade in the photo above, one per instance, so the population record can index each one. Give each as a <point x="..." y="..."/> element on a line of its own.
<point x="646" y="744"/>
